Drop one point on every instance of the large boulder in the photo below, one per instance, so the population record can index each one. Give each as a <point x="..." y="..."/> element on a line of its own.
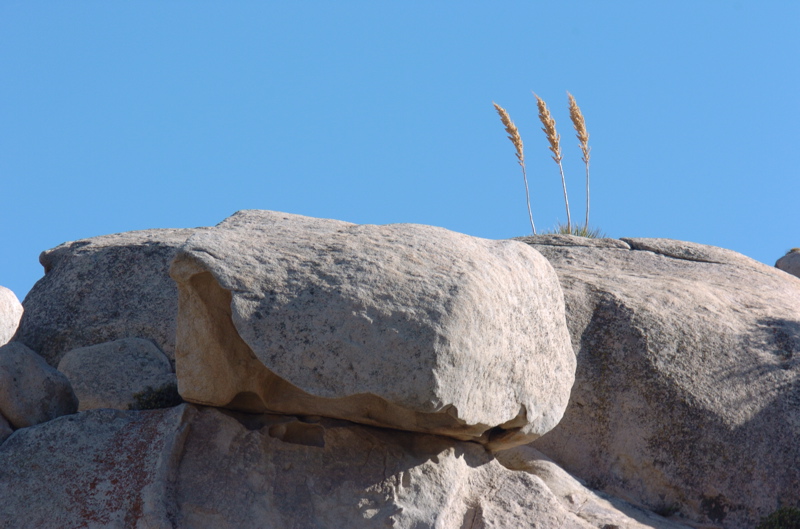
<point x="122" y="374"/>
<point x="405" y="326"/>
<point x="31" y="392"/>
<point x="10" y="314"/>
<point x="790" y="263"/>
<point x="687" y="392"/>
<point x="193" y="467"/>
<point x="103" y="289"/>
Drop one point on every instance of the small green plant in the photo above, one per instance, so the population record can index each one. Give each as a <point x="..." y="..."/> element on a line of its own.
<point x="580" y="231"/>
<point x="783" y="518"/>
<point x="553" y="138"/>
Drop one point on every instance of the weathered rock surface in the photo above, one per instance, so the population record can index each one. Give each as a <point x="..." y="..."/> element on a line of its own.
<point x="31" y="392"/>
<point x="687" y="392"/>
<point x="598" y="509"/>
<point x="790" y="263"/>
<point x="10" y="314"/>
<point x="190" y="467"/>
<point x="102" y="289"/>
<point x="117" y="374"/>
<point x="405" y="326"/>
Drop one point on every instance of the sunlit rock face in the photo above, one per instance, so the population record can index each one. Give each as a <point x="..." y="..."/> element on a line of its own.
<point x="405" y="326"/>
<point x="687" y="392"/>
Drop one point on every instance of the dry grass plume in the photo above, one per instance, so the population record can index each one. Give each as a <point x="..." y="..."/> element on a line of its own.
<point x="549" y="128"/>
<point x="579" y="123"/>
<point x="516" y="139"/>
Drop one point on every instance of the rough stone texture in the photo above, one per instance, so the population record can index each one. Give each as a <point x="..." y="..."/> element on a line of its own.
<point x="5" y="428"/>
<point x="190" y="467"/>
<point x="103" y="289"/>
<point x="31" y="391"/>
<point x="790" y="263"/>
<point x="101" y="468"/>
<point x="406" y="326"/>
<point x="10" y="313"/>
<point x="115" y="374"/>
<point x="687" y="392"/>
<point x="596" y="508"/>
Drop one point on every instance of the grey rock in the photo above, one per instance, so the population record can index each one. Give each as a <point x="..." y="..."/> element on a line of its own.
<point x="687" y="392"/>
<point x="5" y="428"/>
<point x="115" y="374"/>
<point x="10" y="314"/>
<point x="31" y="392"/>
<point x="405" y="326"/>
<point x="102" y="289"/>
<point x="193" y="467"/>
<point x="790" y="263"/>
<point x="101" y="468"/>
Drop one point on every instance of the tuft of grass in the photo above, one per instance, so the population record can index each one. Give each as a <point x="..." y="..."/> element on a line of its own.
<point x="580" y="231"/>
<point x="516" y="139"/>
<point x="579" y="123"/>
<point x="549" y="128"/>
<point x="783" y="518"/>
<point x="793" y="250"/>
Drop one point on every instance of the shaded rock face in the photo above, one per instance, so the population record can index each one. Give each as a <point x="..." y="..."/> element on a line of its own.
<point x="10" y="314"/>
<point x="117" y="374"/>
<point x="790" y="263"/>
<point x="404" y="326"/>
<point x="194" y="467"/>
<point x="103" y="289"/>
<point x="687" y="392"/>
<point x="31" y="392"/>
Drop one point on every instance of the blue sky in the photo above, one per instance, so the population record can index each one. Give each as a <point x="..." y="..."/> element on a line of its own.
<point x="119" y="116"/>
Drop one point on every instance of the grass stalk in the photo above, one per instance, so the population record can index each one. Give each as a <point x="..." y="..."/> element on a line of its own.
<point x="516" y="139"/>
<point x="579" y="123"/>
<point x="549" y="129"/>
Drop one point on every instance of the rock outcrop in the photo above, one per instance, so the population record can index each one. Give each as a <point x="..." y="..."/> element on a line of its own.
<point x="687" y="392"/>
<point x="31" y="392"/>
<point x="10" y="314"/>
<point x="403" y="326"/>
<point x="790" y="263"/>
<point x="121" y="374"/>
<point x="103" y="289"/>
<point x="196" y="467"/>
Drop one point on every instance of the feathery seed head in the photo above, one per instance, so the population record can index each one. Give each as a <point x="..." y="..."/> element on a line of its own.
<point x="579" y="123"/>
<point x="513" y="133"/>
<point x="549" y="129"/>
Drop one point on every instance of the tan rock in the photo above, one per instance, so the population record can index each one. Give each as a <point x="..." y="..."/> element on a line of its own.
<point x="10" y="314"/>
<point x="405" y="326"/>
<point x="686" y="394"/>
<point x="596" y="508"/>
<point x="117" y="374"/>
<point x="31" y="392"/>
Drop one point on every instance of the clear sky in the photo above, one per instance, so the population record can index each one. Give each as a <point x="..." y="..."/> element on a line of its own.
<point x="119" y="116"/>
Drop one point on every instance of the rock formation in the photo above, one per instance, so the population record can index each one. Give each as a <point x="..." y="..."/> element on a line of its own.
<point x="10" y="314"/>
<point x="103" y="289"/>
<point x="687" y="393"/>
<point x="403" y="326"/>
<point x="386" y="376"/>
<point x="119" y="374"/>
<point x="31" y="392"/>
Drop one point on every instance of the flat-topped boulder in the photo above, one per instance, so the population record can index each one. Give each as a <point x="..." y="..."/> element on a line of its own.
<point x="687" y="392"/>
<point x="403" y="326"/>
<point x="10" y="314"/>
<point x="102" y="289"/>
